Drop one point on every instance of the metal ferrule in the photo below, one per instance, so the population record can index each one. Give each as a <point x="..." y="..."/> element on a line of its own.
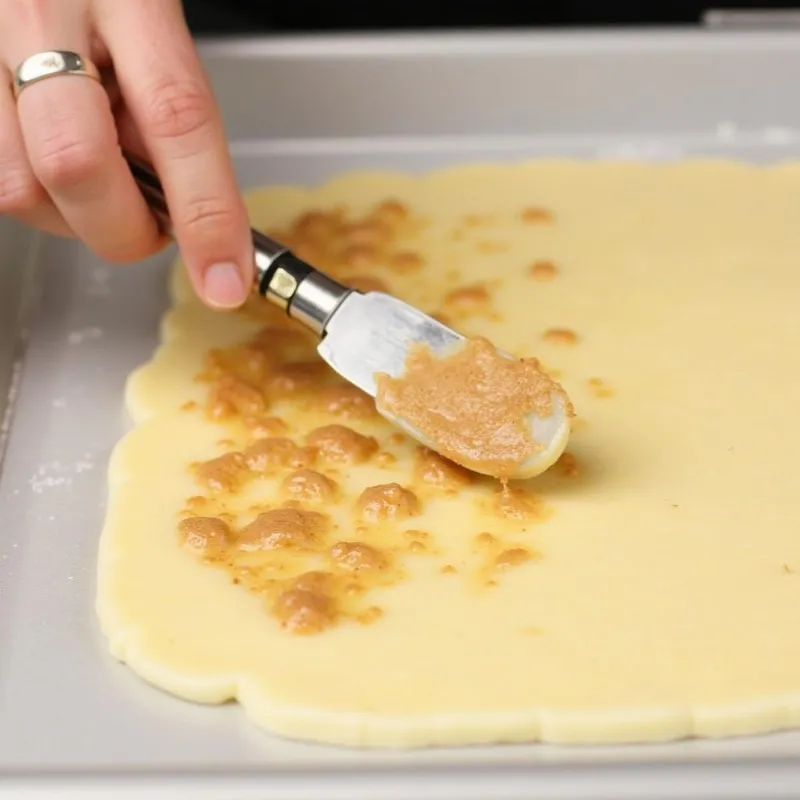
<point x="265" y="253"/>
<point x="284" y="280"/>
<point x="315" y="300"/>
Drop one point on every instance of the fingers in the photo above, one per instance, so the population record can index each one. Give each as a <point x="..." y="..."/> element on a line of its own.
<point x="171" y="104"/>
<point x="21" y="194"/>
<point x="71" y="142"/>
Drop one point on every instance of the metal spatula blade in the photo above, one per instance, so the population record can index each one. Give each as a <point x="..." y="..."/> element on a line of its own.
<point x="371" y="333"/>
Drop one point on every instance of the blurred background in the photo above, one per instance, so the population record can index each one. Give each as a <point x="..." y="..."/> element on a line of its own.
<point x="262" y="16"/>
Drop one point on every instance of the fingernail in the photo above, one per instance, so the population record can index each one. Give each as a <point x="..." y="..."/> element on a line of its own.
<point x="223" y="286"/>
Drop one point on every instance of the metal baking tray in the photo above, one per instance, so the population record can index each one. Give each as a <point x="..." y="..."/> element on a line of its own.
<point x="75" y="722"/>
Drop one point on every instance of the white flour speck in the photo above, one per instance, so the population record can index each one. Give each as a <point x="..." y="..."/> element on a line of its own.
<point x="83" y="466"/>
<point x="84" y="335"/>
<point x="726" y="131"/>
<point x="98" y="285"/>
<point x="54" y="474"/>
<point x="60" y="402"/>
<point x="41" y="482"/>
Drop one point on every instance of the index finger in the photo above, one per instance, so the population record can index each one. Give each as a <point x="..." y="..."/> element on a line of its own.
<point x="169" y="99"/>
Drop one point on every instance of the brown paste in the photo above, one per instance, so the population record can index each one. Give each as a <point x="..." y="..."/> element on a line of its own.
<point x="304" y="611"/>
<point x="272" y="453"/>
<point x="475" y="405"/>
<point x="497" y="557"/>
<point x="568" y="465"/>
<point x="387" y="501"/>
<point x="560" y="336"/>
<point x="516" y="504"/>
<point x="231" y="396"/>
<point x="315" y="551"/>
<point x="283" y="528"/>
<point x="205" y="535"/>
<point x="543" y="270"/>
<point x="355" y="556"/>
<point x="299" y="376"/>
<point x="467" y="300"/>
<point x="536" y="215"/>
<point x="435" y="470"/>
<point x="340" y="443"/>
<point x="225" y="473"/>
<point x="406" y="261"/>
<point x="599" y="388"/>
<point x="310" y="485"/>
<point x="347" y="401"/>
<point x="512" y="557"/>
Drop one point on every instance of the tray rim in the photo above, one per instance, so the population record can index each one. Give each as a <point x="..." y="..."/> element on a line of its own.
<point x="497" y="41"/>
<point x="26" y="295"/>
<point x="720" y="780"/>
<point x="784" y="772"/>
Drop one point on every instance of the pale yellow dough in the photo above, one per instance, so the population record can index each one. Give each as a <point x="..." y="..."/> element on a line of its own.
<point x="666" y="602"/>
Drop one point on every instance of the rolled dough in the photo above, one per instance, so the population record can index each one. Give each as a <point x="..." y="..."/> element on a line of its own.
<point x="661" y="598"/>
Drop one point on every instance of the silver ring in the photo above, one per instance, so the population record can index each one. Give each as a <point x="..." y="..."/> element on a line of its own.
<point x="49" y="64"/>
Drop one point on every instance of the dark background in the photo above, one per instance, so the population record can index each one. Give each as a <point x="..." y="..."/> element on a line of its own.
<point x="293" y="16"/>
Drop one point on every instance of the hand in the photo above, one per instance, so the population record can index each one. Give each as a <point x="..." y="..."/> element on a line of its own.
<point x="61" y="167"/>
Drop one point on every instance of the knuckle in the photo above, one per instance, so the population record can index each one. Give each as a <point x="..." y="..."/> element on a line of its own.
<point x="19" y="191"/>
<point x="208" y="217"/>
<point x="178" y="109"/>
<point x="27" y="12"/>
<point x="64" y="161"/>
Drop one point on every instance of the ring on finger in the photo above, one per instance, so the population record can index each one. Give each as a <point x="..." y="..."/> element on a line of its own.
<point x="50" y="63"/>
<point x="72" y="145"/>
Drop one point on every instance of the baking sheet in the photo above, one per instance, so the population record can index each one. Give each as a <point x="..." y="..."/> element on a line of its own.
<point x="299" y="111"/>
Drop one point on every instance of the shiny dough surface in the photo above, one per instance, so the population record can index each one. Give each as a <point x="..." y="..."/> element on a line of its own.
<point x="660" y="595"/>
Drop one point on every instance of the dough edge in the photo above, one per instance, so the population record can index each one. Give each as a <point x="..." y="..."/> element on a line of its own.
<point x="583" y="728"/>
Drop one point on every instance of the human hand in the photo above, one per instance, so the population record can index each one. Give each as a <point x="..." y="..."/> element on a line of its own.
<point x="61" y="165"/>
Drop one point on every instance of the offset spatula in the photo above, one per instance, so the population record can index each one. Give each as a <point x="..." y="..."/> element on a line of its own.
<point x="361" y="333"/>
